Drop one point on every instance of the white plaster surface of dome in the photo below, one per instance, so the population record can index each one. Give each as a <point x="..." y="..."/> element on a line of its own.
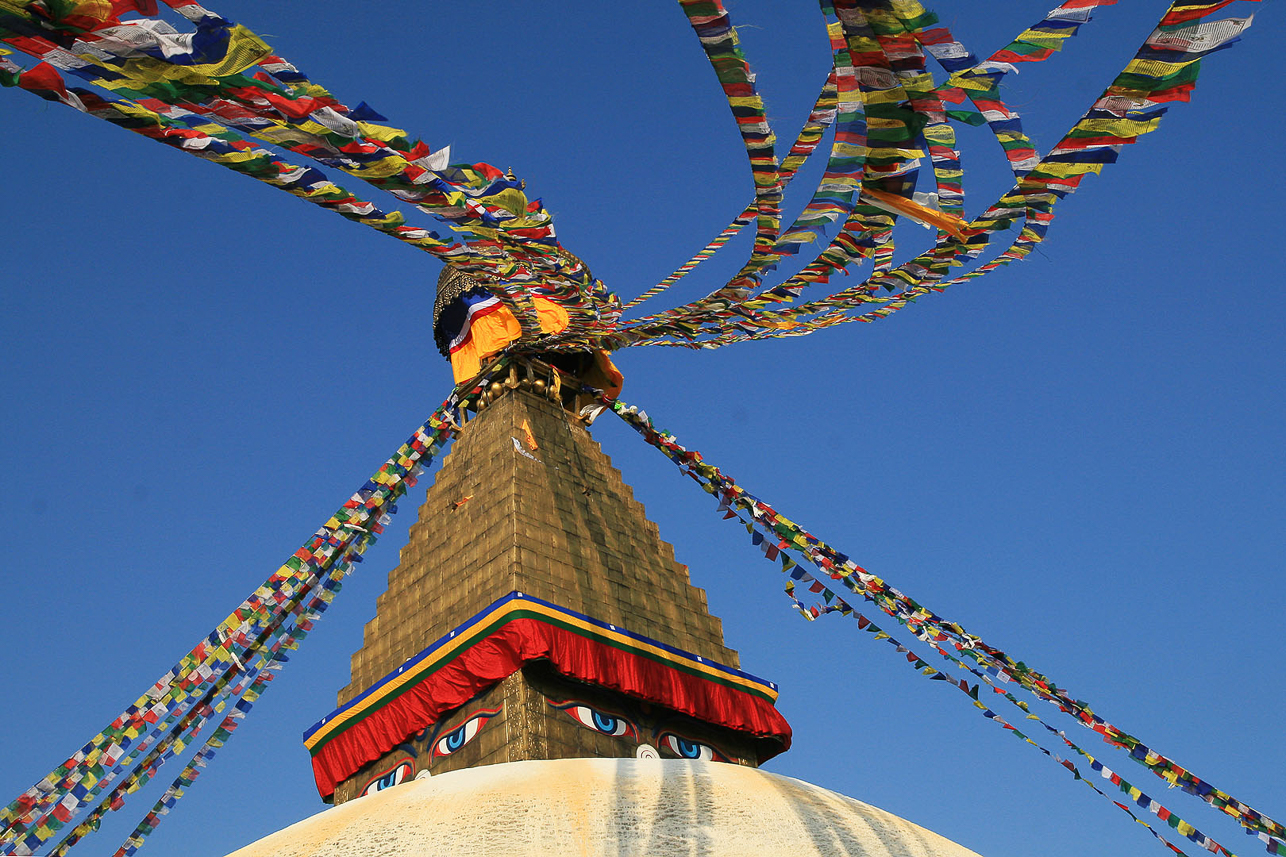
<point x="599" y="807"/>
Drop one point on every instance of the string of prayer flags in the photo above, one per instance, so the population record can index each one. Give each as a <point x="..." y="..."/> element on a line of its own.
<point x="718" y="38"/>
<point x="821" y="117"/>
<point x="834" y="603"/>
<point x="828" y="109"/>
<point x="980" y="81"/>
<point x="190" y="133"/>
<point x="881" y="43"/>
<point x="738" y="223"/>
<point x="993" y="664"/>
<point x="171" y="711"/>
<point x="249" y="686"/>
<point x="218" y="88"/>
<point x="837" y="189"/>
<point x="218" y="91"/>
<point x="259" y="676"/>
<point x="1127" y="109"/>
<point x="229" y="75"/>
<point x="850" y="153"/>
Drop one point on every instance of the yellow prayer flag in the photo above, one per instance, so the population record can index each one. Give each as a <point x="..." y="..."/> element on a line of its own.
<point x="383" y="133"/>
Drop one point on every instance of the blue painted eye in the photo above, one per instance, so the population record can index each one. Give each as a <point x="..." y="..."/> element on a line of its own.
<point x="607" y="723"/>
<point x="688" y="749"/>
<point x="401" y="773"/>
<point x="685" y="749"/>
<point x="599" y="721"/>
<point x="462" y="734"/>
<point x="458" y="738"/>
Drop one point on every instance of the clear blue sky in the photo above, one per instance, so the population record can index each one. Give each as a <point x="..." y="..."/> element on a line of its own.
<point x="1079" y="458"/>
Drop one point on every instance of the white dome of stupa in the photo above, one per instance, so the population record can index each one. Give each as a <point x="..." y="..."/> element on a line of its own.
<point x="598" y="807"/>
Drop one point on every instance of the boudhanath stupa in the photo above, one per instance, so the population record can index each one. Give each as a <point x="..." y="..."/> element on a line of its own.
<point x="541" y="676"/>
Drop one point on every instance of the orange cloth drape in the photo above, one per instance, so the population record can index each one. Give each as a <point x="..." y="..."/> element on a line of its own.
<point x="490" y="333"/>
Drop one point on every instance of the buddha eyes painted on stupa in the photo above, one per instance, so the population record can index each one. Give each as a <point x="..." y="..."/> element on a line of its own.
<point x="688" y="749"/>
<point x="400" y="769"/>
<point x="635" y="729"/>
<point x="600" y="721"/>
<point x="430" y="746"/>
<point x="464" y="733"/>
<point x="566" y="718"/>
<point x="400" y="774"/>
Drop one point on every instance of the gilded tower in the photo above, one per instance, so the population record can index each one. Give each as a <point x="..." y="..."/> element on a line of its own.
<point x="536" y="613"/>
<point x="541" y="676"/>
